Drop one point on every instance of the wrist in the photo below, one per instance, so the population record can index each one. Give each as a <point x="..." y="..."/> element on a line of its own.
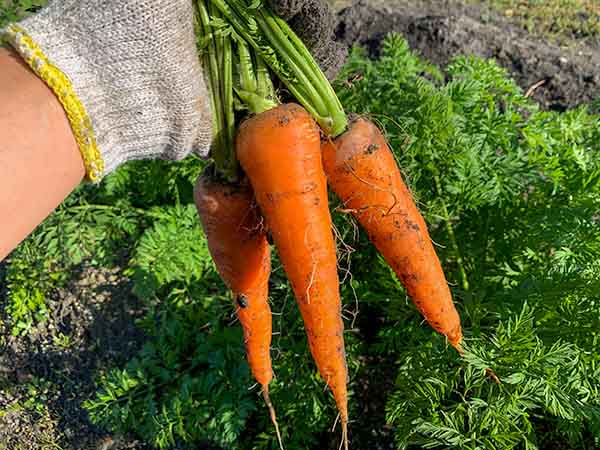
<point x="127" y="75"/>
<point x="61" y="86"/>
<point x="28" y="92"/>
<point x="40" y="163"/>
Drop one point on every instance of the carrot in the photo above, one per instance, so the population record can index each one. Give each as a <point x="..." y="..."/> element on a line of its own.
<point x="239" y="248"/>
<point x="362" y="171"/>
<point x="238" y="245"/>
<point x="279" y="150"/>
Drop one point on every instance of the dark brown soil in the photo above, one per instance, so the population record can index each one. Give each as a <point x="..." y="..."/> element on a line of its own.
<point x="440" y="30"/>
<point x="97" y="312"/>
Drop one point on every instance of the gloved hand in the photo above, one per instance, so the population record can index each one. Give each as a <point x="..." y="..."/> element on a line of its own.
<point x="127" y="74"/>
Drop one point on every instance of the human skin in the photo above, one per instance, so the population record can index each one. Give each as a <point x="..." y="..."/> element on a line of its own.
<point x="40" y="163"/>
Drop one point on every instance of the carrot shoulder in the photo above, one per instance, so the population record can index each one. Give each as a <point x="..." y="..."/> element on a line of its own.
<point x="362" y="171"/>
<point x="280" y="152"/>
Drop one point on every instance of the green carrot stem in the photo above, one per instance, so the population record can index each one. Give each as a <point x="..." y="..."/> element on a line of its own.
<point x="329" y="95"/>
<point x="227" y="86"/>
<point x="218" y="61"/>
<point x="287" y="51"/>
<point x="289" y="59"/>
<point x="295" y="52"/>
<point x="265" y="84"/>
<point x="208" y="56"/>
<point x="302" y="89"/>
<point x="248" y="79"/>
<point x="450" y="230"/>
<point x="255" y="86"/>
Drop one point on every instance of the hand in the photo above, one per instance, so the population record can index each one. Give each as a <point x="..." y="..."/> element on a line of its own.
<point x="128" y="76"/>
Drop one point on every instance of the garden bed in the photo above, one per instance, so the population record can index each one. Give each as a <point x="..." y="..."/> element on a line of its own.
<point x="440" y="30"/>
<point x="46" y="374"/>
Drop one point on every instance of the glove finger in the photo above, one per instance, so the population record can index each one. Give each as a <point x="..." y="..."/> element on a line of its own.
<point x="286" y="9"/>
<point x="314" y="22"/>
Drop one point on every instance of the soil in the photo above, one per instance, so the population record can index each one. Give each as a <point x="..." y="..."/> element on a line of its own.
<point x="439" y="30"/>
<point x="96" y="311"/>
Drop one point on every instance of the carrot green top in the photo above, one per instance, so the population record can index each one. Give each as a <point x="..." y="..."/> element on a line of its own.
<point x="287" y="56"/>
<point x="254" y="86"/>
<point x="218" y="63"/>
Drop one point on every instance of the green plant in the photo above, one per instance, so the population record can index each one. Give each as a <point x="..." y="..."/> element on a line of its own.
<point x="96" y="226"/>
<point x="511" y="193"/>
<point x="28" y="422"/>
<point x="555" y="18"/>
<point x="512" y="196"/>
<point x="185" y="384"/>
<point x="12" y="10"/>
<point x="461" y="408"/>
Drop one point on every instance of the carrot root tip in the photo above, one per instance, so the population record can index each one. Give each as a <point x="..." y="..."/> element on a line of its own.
<point x="265" y="394"/>
<point x="458" y="347"/>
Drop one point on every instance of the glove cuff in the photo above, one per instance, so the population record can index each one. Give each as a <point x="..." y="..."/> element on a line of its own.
<point x="62" y="87"/>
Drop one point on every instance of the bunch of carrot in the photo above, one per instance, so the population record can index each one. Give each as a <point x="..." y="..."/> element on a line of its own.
<point x="288" y="154"/>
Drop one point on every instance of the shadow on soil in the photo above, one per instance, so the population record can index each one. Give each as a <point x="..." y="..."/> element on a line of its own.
<point x="90" y="328"/>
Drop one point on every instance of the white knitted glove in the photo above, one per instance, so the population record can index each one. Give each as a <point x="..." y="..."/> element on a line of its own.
<point x="127" y="74"/>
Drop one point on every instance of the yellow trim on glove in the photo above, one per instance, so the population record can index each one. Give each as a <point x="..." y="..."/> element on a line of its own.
<point x="63" y="89"/>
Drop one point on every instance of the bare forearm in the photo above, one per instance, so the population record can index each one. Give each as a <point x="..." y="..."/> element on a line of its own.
<point x="40" y="163"/>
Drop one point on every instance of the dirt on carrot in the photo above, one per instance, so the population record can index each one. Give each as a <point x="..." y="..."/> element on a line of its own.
<point x="280" y="152"/>
<point x="363" y="173"/>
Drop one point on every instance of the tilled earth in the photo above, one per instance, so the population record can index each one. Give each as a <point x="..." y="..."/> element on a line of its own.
<point x="569" y="75"/>
<point x="45" y="376"/>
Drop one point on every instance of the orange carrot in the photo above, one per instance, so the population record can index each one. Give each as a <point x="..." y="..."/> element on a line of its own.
<point x="238" y="245"/>
<point x="362" y="171"/>
<point x="280" y="152"/>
